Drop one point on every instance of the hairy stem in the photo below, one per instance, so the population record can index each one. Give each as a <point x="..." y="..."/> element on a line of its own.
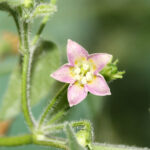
<point x="42" y="26"/>
<point x="51" y="142"/>
<point x="16" y="140"/>
<point x="25" y="79"/>
<point x="84" y="123"/>
<point x="56" y="117"/>
<point x="49" y="107"/>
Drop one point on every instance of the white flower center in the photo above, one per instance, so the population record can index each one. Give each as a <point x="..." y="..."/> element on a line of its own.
<point x="83" y="73"/>
<point x="86" y="67"/>
<point x="89" y="76"/>
<point x="83" y="80"/>
<point x="77" y="70"/>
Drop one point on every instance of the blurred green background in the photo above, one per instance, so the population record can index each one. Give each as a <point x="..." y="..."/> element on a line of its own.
<point x="121" y="28"/>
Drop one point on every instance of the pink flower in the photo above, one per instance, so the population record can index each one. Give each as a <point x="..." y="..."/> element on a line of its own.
<point x="82" y="72"/>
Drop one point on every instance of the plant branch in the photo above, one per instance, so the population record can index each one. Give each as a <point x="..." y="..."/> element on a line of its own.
<point x="84" y="123"/>
<point x="16" y="140"/>
<point x="49" y="107"/>
<point x="42" y="26"/>
<point x="51" y="142"/>
<point x="25" y="80"/>
<point x="56" y="117"/>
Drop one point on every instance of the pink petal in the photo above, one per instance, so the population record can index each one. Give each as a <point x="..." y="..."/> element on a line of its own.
<point x="76" y="94"/>
<point x="98" y="86"/>
<point x="75" y="52"/>
<point x="63" y="74"/>
<point x="100" y="60"/>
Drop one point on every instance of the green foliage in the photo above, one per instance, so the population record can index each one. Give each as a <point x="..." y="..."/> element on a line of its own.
<point x="110" y="72"/>
<point x="7" y="65"/>
<point x="72" y="140"/>
<point x="11" y="101"/>
<point x="45" y="62"/>
<point x="44" y="10"/>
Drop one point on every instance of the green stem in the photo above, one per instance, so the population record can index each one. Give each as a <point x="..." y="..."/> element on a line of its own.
<point x="56" y="117"/>
<point x="84" y="123"/>
<point x="53" y="101"/>
<point x="41" y="28"/>
<point x="25" y="103"/>
<point x="54" y="127"/>
<point x="51" y="142"/>
<point x="25" y="79"/>
<point x="26" y="38"/>
<point x="16" y="140"/>
<point x="28" y="139"/>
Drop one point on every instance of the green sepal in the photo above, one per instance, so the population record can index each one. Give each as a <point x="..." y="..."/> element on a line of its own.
<point x="72" y="140"/>
<point x="83" y="137"/>
<point x="110" y="71"/>
<point x="44" y="9"/>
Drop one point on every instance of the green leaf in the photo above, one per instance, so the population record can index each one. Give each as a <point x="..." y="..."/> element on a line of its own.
<point x="11" y="101"/>
<point x="46" y="61"/>
<point x="72" y="140"/>
<point x="44" y="10"/>
<point x="7" y="65"/>
<point x="115" y="147"/>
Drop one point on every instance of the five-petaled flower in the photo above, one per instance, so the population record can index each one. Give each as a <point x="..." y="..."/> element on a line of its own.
<point x="82" y="72"/>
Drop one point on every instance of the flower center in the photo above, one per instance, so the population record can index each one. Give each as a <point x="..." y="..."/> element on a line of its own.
<point x="83" y="73"/>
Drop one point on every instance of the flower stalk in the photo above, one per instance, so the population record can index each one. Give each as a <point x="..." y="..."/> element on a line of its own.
<point x="42" y="25"/>
<point x="51" y="142"/>
<point x="16" y="140"/>
<point x="49" y="107"/>
<point x="26" y="79"/>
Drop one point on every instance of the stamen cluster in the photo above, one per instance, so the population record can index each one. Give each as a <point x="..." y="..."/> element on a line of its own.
<point x="83" y="73"/>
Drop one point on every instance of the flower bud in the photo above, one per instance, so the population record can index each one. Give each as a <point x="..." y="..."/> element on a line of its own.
<point x="110" y="71"/>
<point x="44" y="10"/>
<point x="83" y="137"/>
